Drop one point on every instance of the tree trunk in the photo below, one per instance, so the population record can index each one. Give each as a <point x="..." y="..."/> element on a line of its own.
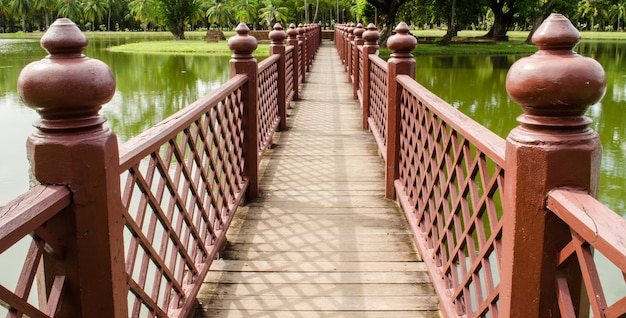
<point x="536" y="23"/>
<point x="501" y="22"/>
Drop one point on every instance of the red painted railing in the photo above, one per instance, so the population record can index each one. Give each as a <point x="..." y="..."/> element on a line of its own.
<point x="514" y="246"/>
<point x="132" y="231"/>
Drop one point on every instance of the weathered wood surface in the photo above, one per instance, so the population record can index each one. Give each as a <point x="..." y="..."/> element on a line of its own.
<point x="321" y="240"/>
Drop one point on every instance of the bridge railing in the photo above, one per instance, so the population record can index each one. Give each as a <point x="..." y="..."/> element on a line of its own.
<point x="507" y="228"/>
<point x="133" y="230"/>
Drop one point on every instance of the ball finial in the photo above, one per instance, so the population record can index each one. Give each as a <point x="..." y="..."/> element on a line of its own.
<point x="277" y="35"/>
<point x="242" y="44"/>
<point x="402" y="43"/>
<point x="66" y="88"/>
<point x="371" y="36"/>
<point x="555" y="82"/>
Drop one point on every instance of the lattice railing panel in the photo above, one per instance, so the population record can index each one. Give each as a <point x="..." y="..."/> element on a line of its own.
<point x="25" y="240"/>
<point x="450" y="187"/>
<point x="289" y="85"/>
<point x="378" y="102"/>
<point x="180" y="191"/>
<point x="598" y="244"/>
<point x="267" y="102"/>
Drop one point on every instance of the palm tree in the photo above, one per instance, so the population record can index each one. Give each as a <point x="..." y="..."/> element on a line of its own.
<point x="22" y="9"/>
<point x="618" y="11"/>
<point x="247" y="12"/>
<point x="46" y="6"/>
<point x="219" y="12"/>
<point x="273" y="12"/>
<point x="70" y="9"/>
<point x="94" y="10"/>
<point x="143" y="11"/>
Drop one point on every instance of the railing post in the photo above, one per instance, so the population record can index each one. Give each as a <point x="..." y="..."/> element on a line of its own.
<point x="72" y="147"/>
<point x="303" y="54"/>
<point x="401" y="62"/>
<point x="243" y="62"/>
<point x="358" y="41"/>
<point x="552" y="147"/>
<point x="277" y="36"/>
<point x="370" y="46"/>
<point x="292" y="33"/>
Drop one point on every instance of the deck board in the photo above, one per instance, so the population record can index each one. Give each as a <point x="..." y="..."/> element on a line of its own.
<point x="321" y="240"/>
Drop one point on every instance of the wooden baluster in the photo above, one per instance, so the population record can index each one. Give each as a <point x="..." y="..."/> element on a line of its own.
<point x="277" y="36"/>
<point x="401" y="62"/>
<point x="552" y="147"/>
<point x="243" y="62"/>
<point x="72" y="147"/>
<point x="370" y="46"/>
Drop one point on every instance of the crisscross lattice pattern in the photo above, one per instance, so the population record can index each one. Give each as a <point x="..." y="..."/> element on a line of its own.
<point x="605" y="234"/>
<point x="180" y="191"/>
<point x="24" y="216"/>
<point x="301" y="60"/>
<point x="450" y="188"/>
<point x="268" y="102"/>
<point x="378" y="102"/>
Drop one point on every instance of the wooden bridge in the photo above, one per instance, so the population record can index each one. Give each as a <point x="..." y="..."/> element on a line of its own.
<point x="323" y="181"/>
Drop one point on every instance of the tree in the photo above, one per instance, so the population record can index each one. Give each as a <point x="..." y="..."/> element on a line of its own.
<point x="536" y="11"/>
<point x="219" y="13"/>
<point x="273" y="11"/>
<point x="247" y="11"/>
<point x="94" y="10"/>
<point x="175" y="14"/>
<point x="47" y="6"/>
<point x="70" y="9"/>
<point x="387" y="11"/>
<point x="143" y="11"/>
<point x="503" y="13"/>
<point x="618" y="11"/>
<point x="22" y="9"/>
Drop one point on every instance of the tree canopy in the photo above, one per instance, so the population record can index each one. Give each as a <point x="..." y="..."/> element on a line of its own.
<point x="495" y="17"/>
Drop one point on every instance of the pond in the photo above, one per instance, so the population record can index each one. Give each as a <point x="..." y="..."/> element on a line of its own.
<point x="151" y="86"/>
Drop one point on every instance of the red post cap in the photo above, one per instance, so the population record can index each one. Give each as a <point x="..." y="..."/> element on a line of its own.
<point x="66" y="88"/>
<point x="242" y="44"/>
<point x="277" y="35"/>
<point x="402" y="43"/>
<point x="555" y="86"/>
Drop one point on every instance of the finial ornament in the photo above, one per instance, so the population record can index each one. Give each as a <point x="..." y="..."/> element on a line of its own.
<point x="66" y="88"/>
<point x="371" y="35"/>
<point x="555" y="86"/>
<point x="242" y="44"/>
<point x="292" y="32"/>
<point x="358" y="30"/>
<point x="402" y="43"/>
<point x="277" y="35"/>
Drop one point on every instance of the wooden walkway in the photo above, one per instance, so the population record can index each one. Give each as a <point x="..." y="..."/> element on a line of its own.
<point x="321" y="241"/>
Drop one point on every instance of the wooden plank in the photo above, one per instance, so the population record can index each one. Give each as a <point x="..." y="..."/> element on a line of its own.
<point x="315" y="266"/>
<point x="320" y="277"/>
<point x="349" y="303"/>
<point x="205" y="311"/>
<point x="300" y="256"/>
<point x="309" y="290"/>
